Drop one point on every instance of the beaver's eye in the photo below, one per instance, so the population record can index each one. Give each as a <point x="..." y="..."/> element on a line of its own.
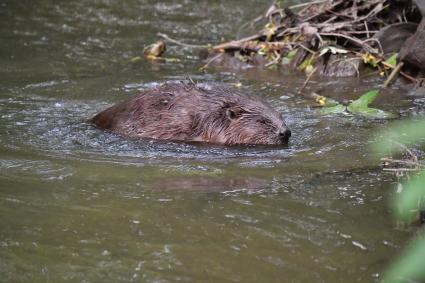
<point x="263" y="121"/>
<point x="234" y="113"/>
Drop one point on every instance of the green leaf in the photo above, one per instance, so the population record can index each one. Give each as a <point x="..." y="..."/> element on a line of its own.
<point x="291" y="54"/>
<point x="337" y="109"/>
<point x="280" y="2"/>
<point x="360" y="107"/>
<point x="392" y="60"/>
<point x="363" y="101"/>
<point x="307" y="62"/>
<point x="406" y="133"/>
<point x="412" y="198"/>
<point x="410" y="266"/>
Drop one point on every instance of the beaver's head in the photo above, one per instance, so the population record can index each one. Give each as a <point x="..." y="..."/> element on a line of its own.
<point x="245" y="120"/>
<point x="257" y="125"/>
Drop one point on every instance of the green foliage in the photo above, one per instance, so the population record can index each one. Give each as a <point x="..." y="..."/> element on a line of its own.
<point x="410" y="266"/>
<point x="410" y="201"/>
<point x="307" y="62"/>
<point x="288" y="58"/>
<point x="336" y="109"/>
<point x="291" y="54"/>
<point x="364" y="100"/>
<point x="360" y="107"/>
<point x="406" y="133"/>
<point x="280" y="3"/>
<point x="392" y="60"/>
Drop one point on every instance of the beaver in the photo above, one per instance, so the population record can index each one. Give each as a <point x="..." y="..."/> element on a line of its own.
<point x="193" y="113"/>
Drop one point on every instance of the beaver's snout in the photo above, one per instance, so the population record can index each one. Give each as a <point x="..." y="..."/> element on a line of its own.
<point x="284" y="135"/>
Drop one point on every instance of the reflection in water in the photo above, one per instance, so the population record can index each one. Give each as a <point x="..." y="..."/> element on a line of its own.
<point x="80" y="204"/>
<point x="211" y="184"/>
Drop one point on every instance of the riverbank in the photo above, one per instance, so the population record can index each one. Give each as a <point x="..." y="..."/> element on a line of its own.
<point x="332" y="38"/>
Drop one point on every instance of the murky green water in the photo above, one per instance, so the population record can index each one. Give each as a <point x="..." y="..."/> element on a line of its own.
<point x="81" y="205"/>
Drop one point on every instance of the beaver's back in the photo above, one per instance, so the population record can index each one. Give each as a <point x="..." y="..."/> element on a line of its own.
<point x="166" y="112"/>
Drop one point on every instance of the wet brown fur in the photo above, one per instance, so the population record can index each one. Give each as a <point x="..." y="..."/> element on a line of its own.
<point x="187" y="112"/>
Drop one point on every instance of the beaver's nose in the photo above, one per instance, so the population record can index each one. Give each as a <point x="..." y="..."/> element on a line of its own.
<point x="284" y="135"/>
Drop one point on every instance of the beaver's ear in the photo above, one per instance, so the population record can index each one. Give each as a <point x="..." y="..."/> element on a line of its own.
<point x="234" y="112"/>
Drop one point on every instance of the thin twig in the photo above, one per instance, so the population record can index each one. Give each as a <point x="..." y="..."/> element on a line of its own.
<point x="167" y="38"/>
<point x="367" y="29"/>
<point x="407" y="162"/>
<point x="412" y="79"/>
<point x="308" y="4"/>
<point x="405" y="148"/>
<point x="355" y="68"/>
<point x="368" y="32"/>
<point x="377" y="42"/>
<point x="210" y="61"/>
<point x="394" y="74"/>
<point x="336" y="3"/>
<point x="307" y="49"/>
<point x="357" y="41"/>
<point x="307" y="80"/>
<point x="400" y="169"/>
<point x="274" y="61"/>
<point x="236" y="43"/>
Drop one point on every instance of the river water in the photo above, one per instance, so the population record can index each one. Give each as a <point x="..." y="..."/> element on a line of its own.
<point x="81" y="205"/>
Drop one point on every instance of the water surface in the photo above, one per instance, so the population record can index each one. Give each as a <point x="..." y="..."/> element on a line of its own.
<point x="81" y="205"/>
